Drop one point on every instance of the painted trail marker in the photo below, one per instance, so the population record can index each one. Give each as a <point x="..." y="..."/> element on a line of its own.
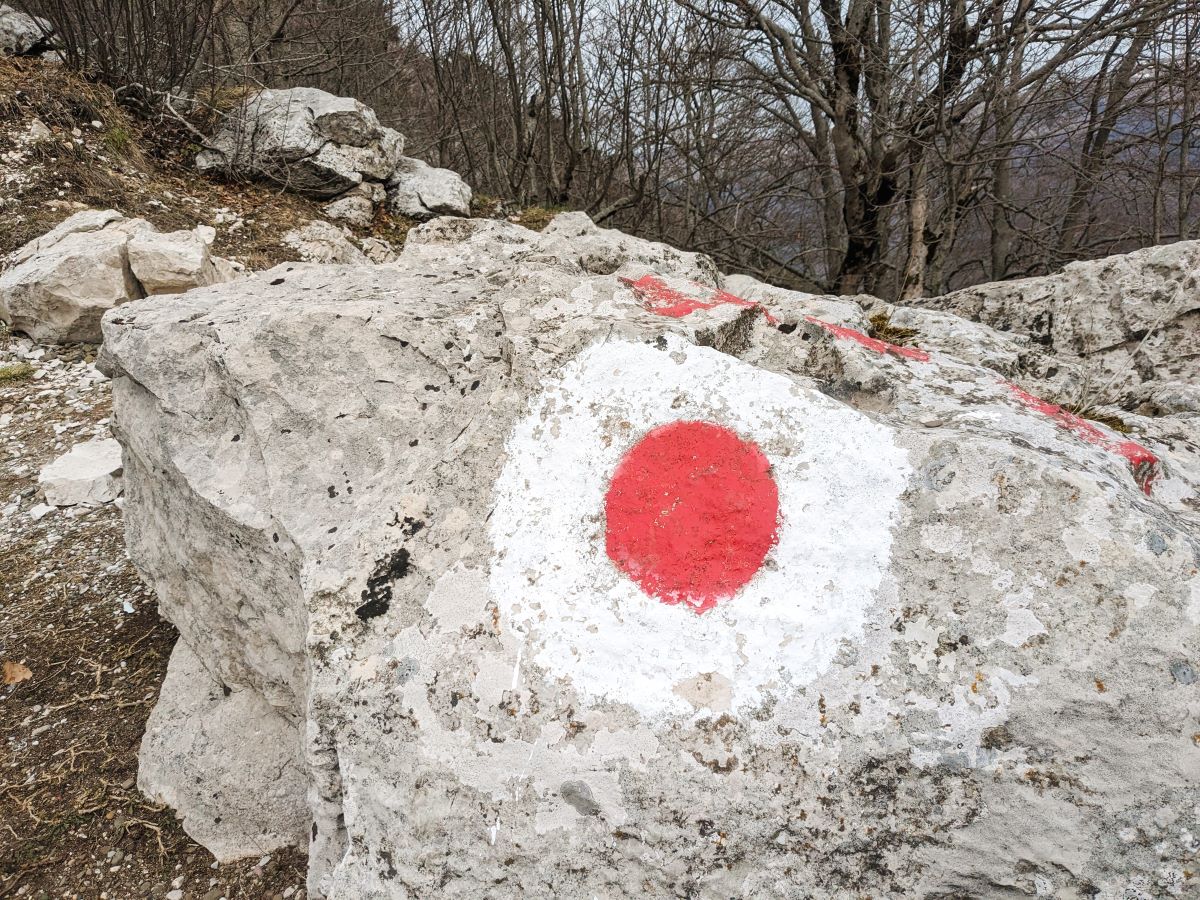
<point x="691" y="512"/>
<point x="1145" y="465"/>
<point x="678" y="297"/>
<point x="653" y="526"/>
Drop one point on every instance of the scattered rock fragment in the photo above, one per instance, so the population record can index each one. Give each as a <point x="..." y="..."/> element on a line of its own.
<point x="421" y="191"/>
<point x="89" y="474"/>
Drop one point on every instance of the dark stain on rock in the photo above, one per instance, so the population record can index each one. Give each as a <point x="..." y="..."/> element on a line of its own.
<point x="377" y="597"/>
<point x="579" y="795"/>
<point x="1182" y="672"/>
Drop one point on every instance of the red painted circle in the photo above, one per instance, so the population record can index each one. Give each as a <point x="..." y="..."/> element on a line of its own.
<point x="691" y="513"/>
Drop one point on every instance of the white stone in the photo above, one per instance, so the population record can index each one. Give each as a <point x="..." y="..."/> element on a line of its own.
<point x="420" y="191"/>
<point x="307" y="140"/>
<point x="368" y="497"/>
<point x="38" y="133"/>
<point x="60" y="284"/>
<point x="378" y="251"/>
<point x="39" y="511"/>
<point x="322" y="242"/>
<point x="198" y="736"/>
<point x="58" y="295"/>
<point x="88" y="474"/>
<point x="355" y="209"/>
<point x="172" y="263"/>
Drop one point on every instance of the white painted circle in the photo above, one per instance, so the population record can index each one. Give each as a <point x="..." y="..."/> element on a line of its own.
<point x="839" y="475"/>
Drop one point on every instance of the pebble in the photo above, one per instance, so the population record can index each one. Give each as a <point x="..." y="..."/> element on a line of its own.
<point x="37" y="513"/>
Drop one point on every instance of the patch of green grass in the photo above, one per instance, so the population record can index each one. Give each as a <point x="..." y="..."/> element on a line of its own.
<point x="882" y="329"/>
<point x="117" y="139"/>
<point x="15" y="372"/>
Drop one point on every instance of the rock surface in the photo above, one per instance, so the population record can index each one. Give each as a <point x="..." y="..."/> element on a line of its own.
<point x="384" y="501"/>
<point x="89" y="474"/>
<point x="59" y="285"/>
<point x="310" y="141"/>
<point x="421" y="191"/>
<point x="322" y="242"/>
<point x="334" y="148"/>
<point x="22" y="34"/>
<point x="199" y="736"/>
<point x="1127" y="319"/>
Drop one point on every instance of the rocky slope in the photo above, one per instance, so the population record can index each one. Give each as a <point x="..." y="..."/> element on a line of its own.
<point x="1126" y="320"/>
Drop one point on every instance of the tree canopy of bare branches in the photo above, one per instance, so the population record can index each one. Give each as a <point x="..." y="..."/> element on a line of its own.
<point x="898" y="147"/>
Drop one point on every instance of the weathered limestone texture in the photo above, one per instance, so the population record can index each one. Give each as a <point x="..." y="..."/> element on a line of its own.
<point x="580" y="573"/>
<point x="1131" y="318"/>
<point x="59" y="285"/>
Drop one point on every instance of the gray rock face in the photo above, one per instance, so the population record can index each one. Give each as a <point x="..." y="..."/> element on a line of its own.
<point x="202" y="735"/>
<point x="22" y="34"/>
<point x="59" y="285"/>
<point x="1128" y="318"/>
<point x="329" y="147"/>
<point x="307" y="140"/>
<point x="420" y="191"/>
<point x="415" y="509"/>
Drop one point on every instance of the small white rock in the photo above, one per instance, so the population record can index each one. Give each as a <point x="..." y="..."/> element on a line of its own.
<point x="89" y="474"/>
<point x="37" y="513"/>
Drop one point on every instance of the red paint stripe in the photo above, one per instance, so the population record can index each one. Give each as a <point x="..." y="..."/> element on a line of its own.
<point x="869" y="342"/>
<point x="1146" y="466"/>
<point x="660" y="298"/>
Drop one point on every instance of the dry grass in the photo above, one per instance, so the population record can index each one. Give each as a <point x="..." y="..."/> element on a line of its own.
<point x="882" y="329"/>
<point x="538" y="217"/>
<point x="15" y="372"/>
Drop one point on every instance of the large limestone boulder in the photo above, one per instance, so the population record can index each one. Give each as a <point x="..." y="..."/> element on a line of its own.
<point x="22" y="34"/>
<point x="332" y="148"/>
<point x="59" y="285"/>
<point x="305" y="139"/>
<point x="1128" y="318"/>
<point x="618" y="583"/>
